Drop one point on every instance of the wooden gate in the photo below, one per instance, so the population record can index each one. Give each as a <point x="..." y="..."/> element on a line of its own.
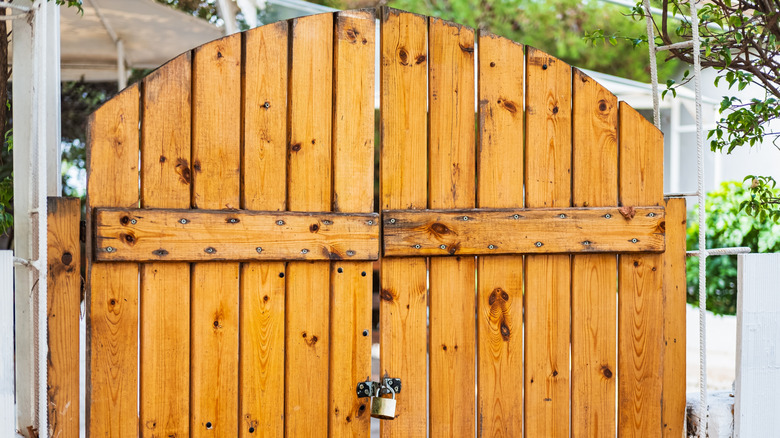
<point x="532" y="275"/>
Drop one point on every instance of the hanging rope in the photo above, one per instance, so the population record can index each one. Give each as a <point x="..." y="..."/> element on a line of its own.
<point x="653" y="66"/>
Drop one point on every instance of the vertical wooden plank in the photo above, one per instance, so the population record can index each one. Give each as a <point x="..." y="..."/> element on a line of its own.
<point x="500" y="278"/>
<point x="353" y="191"/>
<point x="264" y="182"/>
<point x="64" y="312"/>
<point x="214" y="289"/>
<point x="674" y="319"/>
<point x="594" y="277"/>
<point x="309" y="188"/>
<point x="640" y="285"/>
<point x="403" y="302"/>
<point x="451" y="148"/>
<point x="112" y="320"/>
<point x="758" y="332"/>
<point x="547" y="277"/>
<point x="165" y="287"/>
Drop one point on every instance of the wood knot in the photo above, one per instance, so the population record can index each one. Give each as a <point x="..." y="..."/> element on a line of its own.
<point x="387" y="295"/>
<point x="492" y="64"/>
<point x="124" y="221"/>
<point x="505" y="333"/>
<point x="403" y="56"/>
<point x="602" y="105"/>
<point x="439" y="229"/>
<point x="420" y="59"/>
<point x="183" y="169"/>
<point x="66" y="258"/>
<point x="296" y="147"/>
<point x="314" y="228"/>
<point x="628" y="212"/>
<point x="163" y="159"/>
<point x="508" y="105"/>
<point x="606" y="371"/>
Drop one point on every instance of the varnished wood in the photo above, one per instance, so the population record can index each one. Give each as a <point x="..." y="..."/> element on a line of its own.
<point x="160" y="235"/>
<point x="263" y="187"/>
<point x="500" y="278"/>
<point x="534" y="231"/>
<point x="640" y="285"/>
<point x="353" y="184"/>
<point x="216" y="151"/>
<point x="165" y="293"/>
<point x="112" y="293"/>
<point x="64" y="314"/>
<point x="594" y="277"/>
<point x="451" y="151"/>
<point x="403" y="304"/>
<point x="674" y="320"/>
<point x="547" y="277"/>
<point x="309" y="189"/>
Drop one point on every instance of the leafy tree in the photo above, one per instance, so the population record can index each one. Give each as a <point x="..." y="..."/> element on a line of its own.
<point x="726" y="227"/>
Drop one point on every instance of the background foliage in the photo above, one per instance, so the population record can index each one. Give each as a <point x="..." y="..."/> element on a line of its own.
<point x="727" y="227"/>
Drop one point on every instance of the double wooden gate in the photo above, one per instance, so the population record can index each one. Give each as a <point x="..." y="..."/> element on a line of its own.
<point x="532" y="275"/>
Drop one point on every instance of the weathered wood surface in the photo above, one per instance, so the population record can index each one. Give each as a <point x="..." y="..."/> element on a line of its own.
<point x="165" y="287"/>
<point x="309" y="189"/>
<point x="640" y="285"/>
<point x="353" y="184"/>
<point x="547" y="277"/>
<point x="500" y="278"/>
<point x="112" y="294"/>
<point x="214" y="290"/>
<point x="675" y="291"/>
<point x="403" y="302"/>
<point x="195" y="235"/>
<point x="264" y="187"/>
<point x="513" y="231"/>
<point x="64" y="313"/>
<point x="594" y="277"/>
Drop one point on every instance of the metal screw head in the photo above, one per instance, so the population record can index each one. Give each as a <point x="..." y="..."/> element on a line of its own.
<point x="417" y="246"/>
<point x="267" y="105"/>
<point x="327" y="222"/>
<point x="586" y="243"/>
<point x="491" y="247"/>
<point x="634" y="240"/>
<point x="304" y="251"/>
<point x="516" y="216"/>
<point x="259" y="250"/>
<point x="443" y="246"/>
<point x="362" y="385"/>
<point x="607" y="215"/>
<point x="562" y="216"/>
<point x="350" y="252"/>
<point x="365" y="332"/>
<point x="183" y="221"/>
<point x="133" y="221"/>
<point x="465" y="218"/>
<point x="649" y="215"/>
<point x="210" y="250"/>
<point x="370" y="222"/>
<point x="280" y="222"/>
<point x="538" y="244"/>
<point x="109" y="249"/>
<point x="233" y="220"/>
<point x="392" y="221"/>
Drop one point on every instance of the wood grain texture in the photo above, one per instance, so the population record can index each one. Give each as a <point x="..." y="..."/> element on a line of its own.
<point x="594" y="278"/>
<point x="640" y="285"/>
<point x="547" y="277"/>
<point x="403" y="302"/>
<point x="674" y="319"/>
<point x="353" y="184"/>
<point x="112" y="292"/>
<point x="160" y="235"/>
<point x="309" y="189"/>
<point x="512" y="231"/>
<point x="216" y="151"/>
<point x="165" y="288"/>
<point x="64" y="312"/>
<point x="451" y="151"/>
<point x="500" y="279"/>
<point x="264" y="187"/>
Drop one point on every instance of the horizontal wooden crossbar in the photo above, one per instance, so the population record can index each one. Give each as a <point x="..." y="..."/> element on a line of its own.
<point x="522" y="231"/>
<point x="143" y="235"/>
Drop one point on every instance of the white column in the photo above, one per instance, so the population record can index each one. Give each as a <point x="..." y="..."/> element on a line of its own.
<point x="121" y="68"/>
<point x="54" y="129"/>
<point x="674" y="148"/>
<point x="7" y="417"/>
<point x="226" y="9"/>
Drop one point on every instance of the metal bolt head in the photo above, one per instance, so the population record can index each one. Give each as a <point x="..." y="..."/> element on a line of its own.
<point x="392" y="221"/>
<point x="233" y="220"/>
<point x="443" y="246"/>
<point x="491" y="247"/>
<point x="586" y="243"/>
<point x="210" y="250"/>
<point x="267" y="105"/>
<point x="651" y="214"/>
<point x="183" y="221"/>
<point x="370" y="222"/>
<point x="362" y="385"/>
<point x="109" y="249"/>
<point x="634" y="240"/>
<point x="538" y="244"/>
<point x="607" y="215"/>
<point x="465" y="218"/>
<point x="259" y="250"/>
<point x="304" y="251"/>
<point x="516" y="216"/>
<point x="133" y="221"/>
<point x="417" y="246"/>
<point x="562" y="216"/>
<point x="350" y="252"/>
<point x="280" y="222"/>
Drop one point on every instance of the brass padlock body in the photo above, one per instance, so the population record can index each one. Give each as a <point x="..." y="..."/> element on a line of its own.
<point x="383" y="408"/>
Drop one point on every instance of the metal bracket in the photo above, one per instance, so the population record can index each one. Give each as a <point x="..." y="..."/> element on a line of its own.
<point x="369" y="388"/>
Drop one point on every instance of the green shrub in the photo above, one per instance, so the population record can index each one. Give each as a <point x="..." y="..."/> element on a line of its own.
<point x="726" y="227"/>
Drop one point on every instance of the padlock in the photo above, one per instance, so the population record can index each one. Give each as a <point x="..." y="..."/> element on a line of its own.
<point x="383" y="408"/>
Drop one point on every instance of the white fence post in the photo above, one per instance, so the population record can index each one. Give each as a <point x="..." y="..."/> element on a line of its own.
<point x="7" y="410"/>
<point x="758" y="346"/>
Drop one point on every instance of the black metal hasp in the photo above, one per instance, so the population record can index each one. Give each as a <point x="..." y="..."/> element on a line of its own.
<point x="410" y="233"/>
